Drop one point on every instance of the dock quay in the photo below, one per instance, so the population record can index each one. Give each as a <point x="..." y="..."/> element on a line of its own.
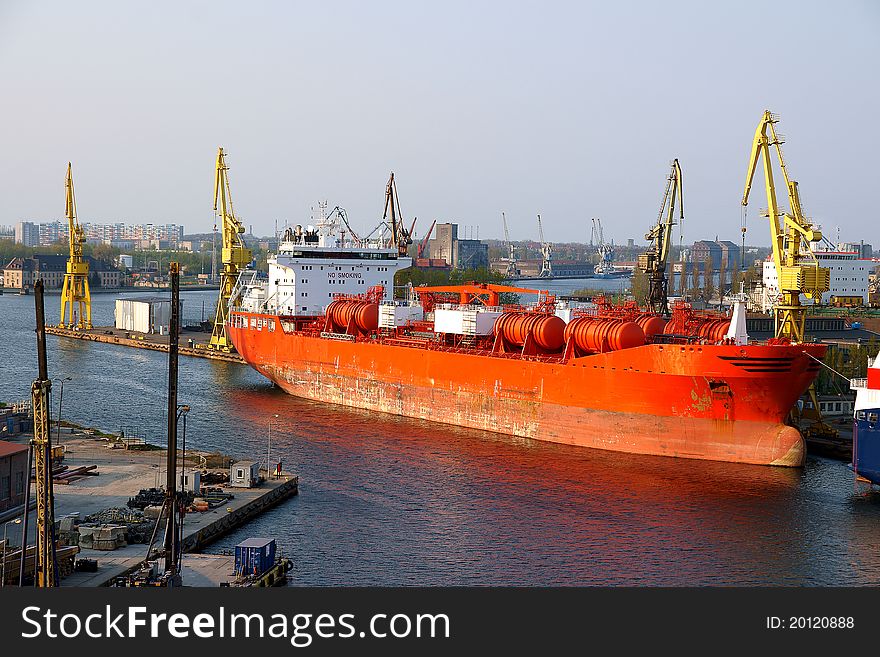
<point x="110" y="335"/>
<point x="125" y="472"/>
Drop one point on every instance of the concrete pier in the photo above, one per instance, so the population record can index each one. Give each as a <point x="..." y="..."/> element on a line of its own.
<point x="122" y="474"/>
<point x="110" y="335"/>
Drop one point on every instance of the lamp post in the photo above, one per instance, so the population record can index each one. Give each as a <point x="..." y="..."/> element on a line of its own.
<point x="17" y="521"/>
<point x="269" y="449"/>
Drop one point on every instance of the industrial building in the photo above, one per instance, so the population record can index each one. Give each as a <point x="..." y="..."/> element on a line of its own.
<point x="13" y="466"/>
<point x="719" y="253"/>
<point x="23" y="272"/>
<point x="459" y="253"/>
<point x="561" y="268"/>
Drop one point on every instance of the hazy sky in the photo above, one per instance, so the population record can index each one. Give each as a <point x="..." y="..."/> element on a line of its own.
<point x="570" y="109"/>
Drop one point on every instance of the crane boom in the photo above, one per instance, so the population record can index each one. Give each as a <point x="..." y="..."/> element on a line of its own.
<point x="76" y="300"/>
<point x="234" y="258"/>
<point x="420" y="250"/>
<point x="488" y="294"/>
<point x="511" y="250"/>
<point x="797" y="267"/>
<point x="653" y="261"/>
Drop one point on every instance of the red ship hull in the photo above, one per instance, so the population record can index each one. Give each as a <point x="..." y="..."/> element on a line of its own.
<point x="714" y="402"/>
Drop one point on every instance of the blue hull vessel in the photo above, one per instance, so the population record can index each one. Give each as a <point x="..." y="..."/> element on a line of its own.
<point x="866" y="444"/>
<point x="866" y="424"/>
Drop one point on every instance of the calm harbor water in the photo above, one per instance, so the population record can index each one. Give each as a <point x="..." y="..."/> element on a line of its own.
<point x="387" y="500"/>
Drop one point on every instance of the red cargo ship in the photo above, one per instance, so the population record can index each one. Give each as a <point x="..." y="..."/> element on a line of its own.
<point x="603" y="376"/>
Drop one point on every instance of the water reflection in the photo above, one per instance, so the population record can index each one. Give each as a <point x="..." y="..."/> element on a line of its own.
<point x="387" y="500"/>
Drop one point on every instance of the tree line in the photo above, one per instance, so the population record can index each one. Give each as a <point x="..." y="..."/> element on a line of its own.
<point x="698" y="282"/>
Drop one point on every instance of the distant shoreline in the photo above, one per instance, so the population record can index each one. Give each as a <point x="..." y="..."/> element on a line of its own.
<point x="56" y="291"/>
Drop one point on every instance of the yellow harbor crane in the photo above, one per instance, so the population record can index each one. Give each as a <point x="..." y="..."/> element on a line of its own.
<point x="653" y="261"/>
<point x="797" y="267"/>
<point x="235" y="257"/>
<point x="75" y="298"/>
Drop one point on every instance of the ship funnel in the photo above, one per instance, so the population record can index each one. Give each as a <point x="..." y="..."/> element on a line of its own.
<point x="737" y="330"/>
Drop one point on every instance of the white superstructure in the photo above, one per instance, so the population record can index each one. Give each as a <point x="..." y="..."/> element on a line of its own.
<point x="316" y="263"/>
<point x="868" y="389"/>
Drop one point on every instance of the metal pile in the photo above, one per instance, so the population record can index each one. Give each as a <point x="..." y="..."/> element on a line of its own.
<point x="212" y="477"/>
<point x="147" y="497"/>
<point x="156" y="497"/>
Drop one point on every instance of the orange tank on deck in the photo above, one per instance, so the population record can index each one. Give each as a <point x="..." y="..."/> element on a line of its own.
<point x="365" y="315"/>
<point x="651" y="324"/>
<point x="714" y="330"/>
<point x="548" y="331"/>
<point x="600" y="334"/>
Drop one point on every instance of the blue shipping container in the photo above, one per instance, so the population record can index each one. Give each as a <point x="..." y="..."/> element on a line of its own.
<point x="254" y="556"/>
